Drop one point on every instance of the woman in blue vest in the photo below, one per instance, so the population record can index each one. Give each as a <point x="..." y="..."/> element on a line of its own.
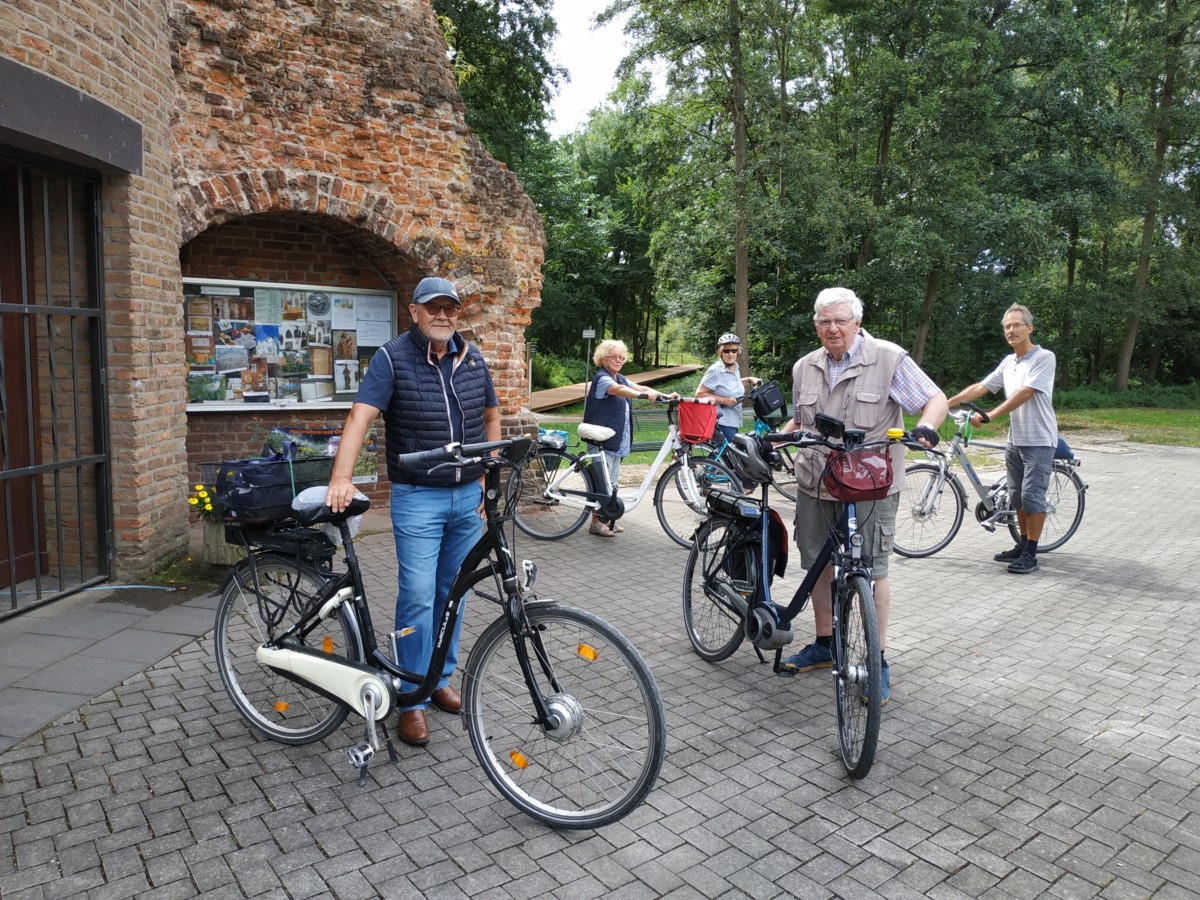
<point x="607" y="404"/>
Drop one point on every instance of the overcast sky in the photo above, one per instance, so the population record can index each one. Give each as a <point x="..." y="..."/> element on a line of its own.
<point x="590" y="56"/>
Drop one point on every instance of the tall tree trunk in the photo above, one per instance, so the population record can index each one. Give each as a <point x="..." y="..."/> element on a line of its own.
<point x="1065" y="327"/>
<point x="931" y="283"/>
<point x="741" y="250"/>
<point x="866" y="249"/>
<point x="1150" y="216"/>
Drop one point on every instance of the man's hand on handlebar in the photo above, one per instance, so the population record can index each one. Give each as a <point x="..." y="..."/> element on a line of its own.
<point x="926" y="436"/>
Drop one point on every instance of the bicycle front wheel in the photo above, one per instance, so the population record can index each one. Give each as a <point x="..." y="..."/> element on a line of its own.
<point x="783" y="476"/>
<point x="717" y="580"/>
<point x="264" y="597"/>
<point x="928" y="519"/>
<point x="680" y="492"/>
<point x="606" y="745"/>
<point x="1064" y="509"/>
<point x="857" y="675"/>
<point x="548" y="494"/>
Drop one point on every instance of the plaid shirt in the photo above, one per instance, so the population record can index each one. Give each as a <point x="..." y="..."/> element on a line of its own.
<point x="910" y="387"/>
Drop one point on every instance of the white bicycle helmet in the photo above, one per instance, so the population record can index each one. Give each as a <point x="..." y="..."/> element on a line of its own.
<point x="744" y="458"/>
<point x="729" y="338"/>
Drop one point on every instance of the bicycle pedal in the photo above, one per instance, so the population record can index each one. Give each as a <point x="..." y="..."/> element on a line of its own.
<point x="360" y="755"/>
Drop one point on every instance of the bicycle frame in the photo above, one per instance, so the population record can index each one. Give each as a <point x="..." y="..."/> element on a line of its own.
<point x="491" y="556"/>
<point x="630" y="499"/>
<point x="991" y="496"/>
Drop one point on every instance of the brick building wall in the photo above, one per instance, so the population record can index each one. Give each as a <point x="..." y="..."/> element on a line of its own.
<point x="89" y="46"/>
<point x="273" y="122"/>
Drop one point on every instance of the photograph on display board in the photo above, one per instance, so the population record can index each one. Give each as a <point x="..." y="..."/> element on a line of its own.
<point x="232" y="359"/>
<point x="200" y="325"/>
<point x="236" y="334"/>
<point x="294" y="363"/>
<point x="320" y="362"/>
<point x="293" y="337"/>
<point x="319" y="332"/>
<point x="293" y="306"/>
<point x="346" y="377"/>
<point x="199" y="306"/>
<point x="266" y="342"/>
<point x="345" y="345"/>
<point x="199" y="349"/>
<point x="205" y="387"/>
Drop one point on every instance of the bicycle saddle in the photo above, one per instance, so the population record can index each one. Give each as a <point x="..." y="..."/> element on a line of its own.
<point x="320" y="515"/>
<point x="594" y="434"/>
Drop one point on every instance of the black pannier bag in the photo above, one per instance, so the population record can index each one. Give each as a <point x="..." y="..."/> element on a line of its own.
<point x="260" y="490"/>
<point x="769" y="404"/>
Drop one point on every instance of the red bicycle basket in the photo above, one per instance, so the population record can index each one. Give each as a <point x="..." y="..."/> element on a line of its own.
<point x="696" y="422"/>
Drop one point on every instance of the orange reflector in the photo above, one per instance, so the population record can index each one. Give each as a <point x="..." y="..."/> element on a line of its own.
<point x="519" y="759"/>
<point x="327" y="644"/>
<point x="281" y="706"/>
<point x="588" y="652"/>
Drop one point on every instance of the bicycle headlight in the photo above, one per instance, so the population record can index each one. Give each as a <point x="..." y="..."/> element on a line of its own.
<point x="856" y="540"/>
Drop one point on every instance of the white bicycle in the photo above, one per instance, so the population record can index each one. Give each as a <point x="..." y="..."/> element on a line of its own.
<point x="554" y="491"/>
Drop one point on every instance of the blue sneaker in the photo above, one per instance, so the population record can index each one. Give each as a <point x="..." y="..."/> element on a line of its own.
<point x="886" y="672"/>
<point x="814" y="656"/>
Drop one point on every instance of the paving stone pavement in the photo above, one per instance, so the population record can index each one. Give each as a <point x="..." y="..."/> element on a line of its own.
<point x="1042" y="739"/>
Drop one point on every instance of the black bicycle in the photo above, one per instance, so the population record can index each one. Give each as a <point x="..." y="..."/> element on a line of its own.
<point x="727" y="582"/>
<point x="562" y="712"/>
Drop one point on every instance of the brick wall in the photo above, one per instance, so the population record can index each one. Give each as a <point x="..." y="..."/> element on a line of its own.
<point x="301" y="118"/>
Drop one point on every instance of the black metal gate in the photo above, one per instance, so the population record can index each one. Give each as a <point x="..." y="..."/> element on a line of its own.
<point x="55" y="508"/>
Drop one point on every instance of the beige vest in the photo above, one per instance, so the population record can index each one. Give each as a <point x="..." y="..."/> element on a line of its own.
<point x="860" y="399"/>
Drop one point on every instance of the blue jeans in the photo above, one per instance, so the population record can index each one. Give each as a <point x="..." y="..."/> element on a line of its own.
<point x="435" y="528"/>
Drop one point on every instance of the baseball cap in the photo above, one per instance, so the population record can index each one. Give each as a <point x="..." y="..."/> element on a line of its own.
<point x="432" y="288"/>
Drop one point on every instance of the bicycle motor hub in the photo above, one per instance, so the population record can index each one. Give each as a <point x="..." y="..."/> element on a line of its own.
<point x="764" y="632"/>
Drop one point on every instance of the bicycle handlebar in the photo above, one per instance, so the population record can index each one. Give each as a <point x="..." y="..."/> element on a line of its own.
<point x="803" y="440"/>
<point x="457" y="454"/>
<point x="976" y="408"/>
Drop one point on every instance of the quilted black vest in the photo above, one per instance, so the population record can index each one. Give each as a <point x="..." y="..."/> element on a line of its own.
<point x="418" y="417"/>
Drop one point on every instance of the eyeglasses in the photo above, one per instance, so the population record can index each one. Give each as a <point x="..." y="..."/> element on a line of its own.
<point x="832" y="323"/>
<point x="729" y="350"/>
<point x="617" y="357"/>
<point x="1015" y="325"/>
<point x="450" y="312"/>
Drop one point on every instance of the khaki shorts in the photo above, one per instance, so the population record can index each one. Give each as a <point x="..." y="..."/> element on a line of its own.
<point x="876" y="523"/>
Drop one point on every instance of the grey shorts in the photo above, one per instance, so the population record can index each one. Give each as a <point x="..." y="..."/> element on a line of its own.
<point x="1029" y="471"/>
<point x="876" y="523"/>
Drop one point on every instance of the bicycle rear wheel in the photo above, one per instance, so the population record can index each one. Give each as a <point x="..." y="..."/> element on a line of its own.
<point x="711" y="616"/>
<point x="783" y="476"/>
<point x="607" y="748"/>
<point x="282" y="709"/>
<point x="1064" y="509"/>
<point x="679" y="495"/>
<point x="927" y="520"/>
<point x="857" y="675"/>
<point x="547" y="494"/>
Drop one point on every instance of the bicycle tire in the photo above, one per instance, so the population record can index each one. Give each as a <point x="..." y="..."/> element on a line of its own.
<point x="857" y="675"/>
<point x="920" y="534"/>
<point x="537" y="512"/>
<point x="282" y="709"/>
<point x="612" y="747"/>
<point x="1065" y="499"/>
<point x="714" y="624"/>
<point x="681" y="510"/>
<point x="783" y="476"/>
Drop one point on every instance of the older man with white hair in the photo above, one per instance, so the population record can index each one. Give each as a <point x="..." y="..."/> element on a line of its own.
<point x="868" y="384"/>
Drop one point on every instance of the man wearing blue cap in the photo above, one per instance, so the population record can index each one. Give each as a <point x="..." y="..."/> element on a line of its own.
<point x="432" y="387"/>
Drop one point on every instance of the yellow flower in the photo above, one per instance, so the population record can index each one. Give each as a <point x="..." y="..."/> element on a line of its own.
<point x="193" y="501"/>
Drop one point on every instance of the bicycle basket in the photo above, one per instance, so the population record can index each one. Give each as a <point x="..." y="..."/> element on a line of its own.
<point x="697" y="421"/>
<point x="769" y="404"/>
<point x="852" y="476"/>
<point x="260" y="490"/>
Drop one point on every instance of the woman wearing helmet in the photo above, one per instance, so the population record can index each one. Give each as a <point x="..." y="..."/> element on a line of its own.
<point x="724" y="385"/>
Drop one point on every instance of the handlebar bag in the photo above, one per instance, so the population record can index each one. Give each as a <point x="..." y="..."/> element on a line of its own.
<point x="768" y="401"/>
<point x="857" y="475"/>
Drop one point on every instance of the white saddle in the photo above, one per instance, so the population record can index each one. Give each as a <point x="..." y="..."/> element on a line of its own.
<point x="594" y="434"/>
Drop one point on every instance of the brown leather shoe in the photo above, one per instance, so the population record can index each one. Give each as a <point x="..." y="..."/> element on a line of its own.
<point x="447" y="699"/>
<point x="413" y="729"/>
